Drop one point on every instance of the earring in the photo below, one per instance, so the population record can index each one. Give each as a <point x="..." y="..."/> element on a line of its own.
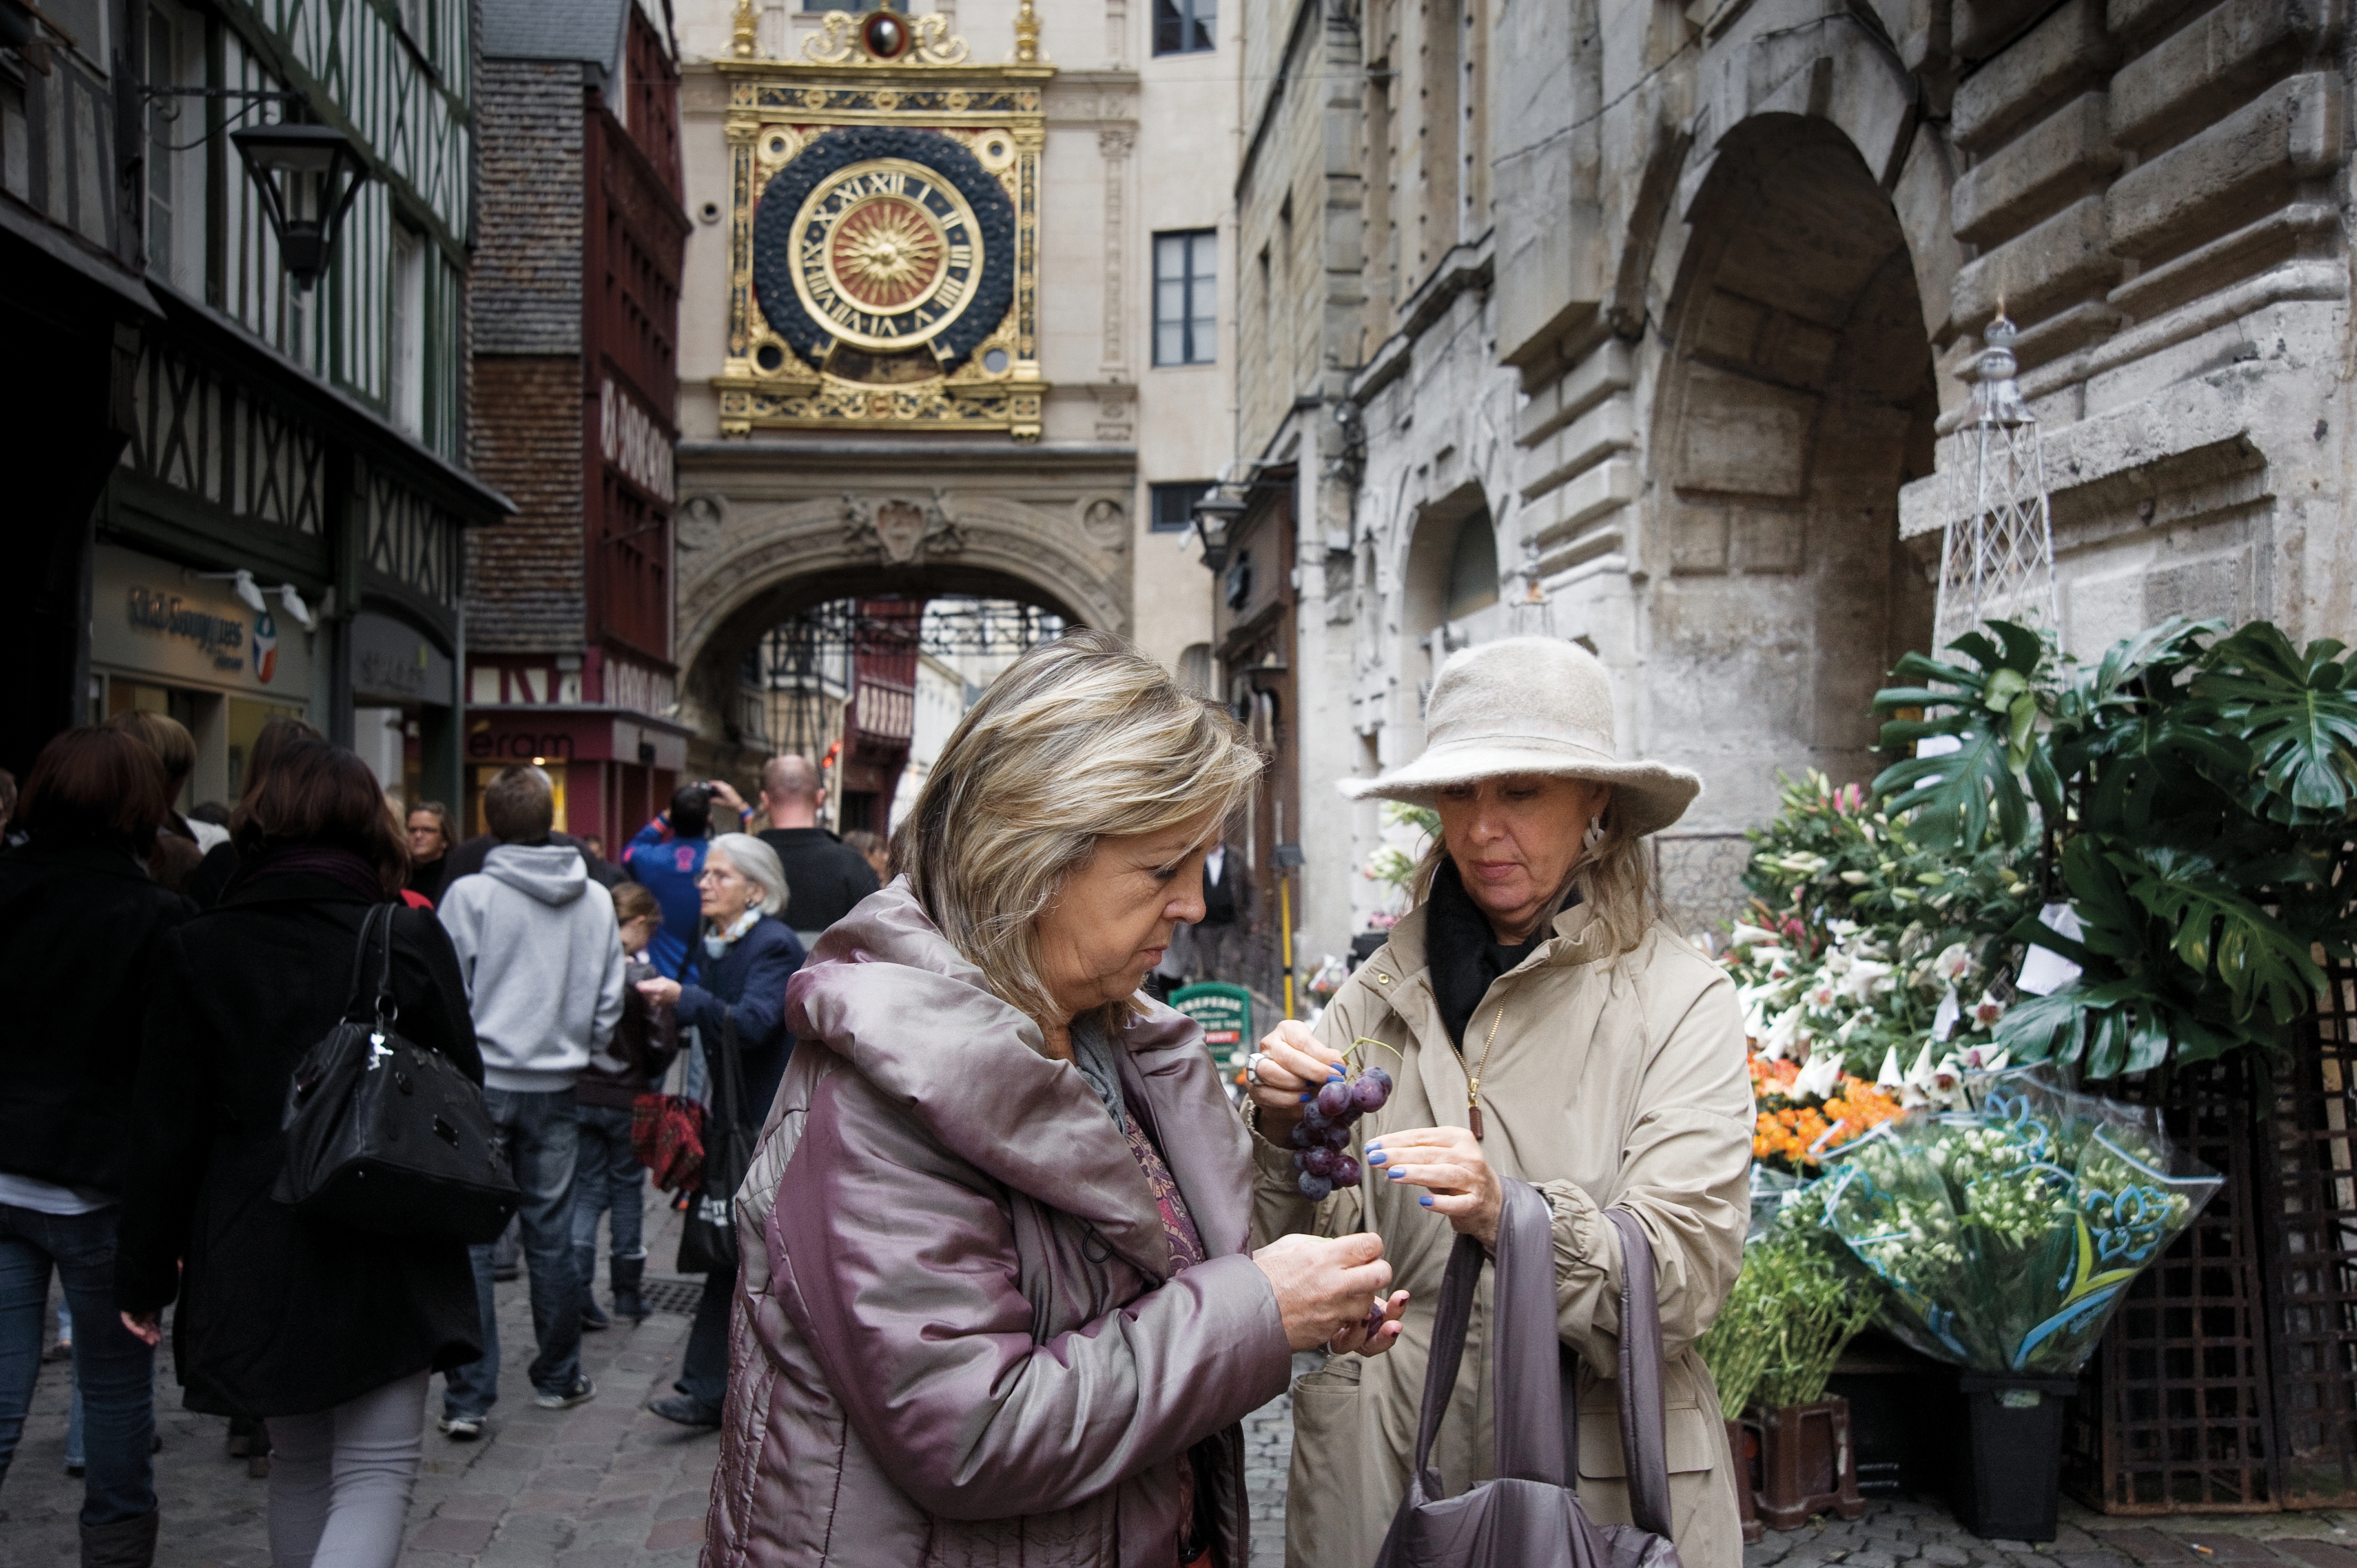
<point x="1593" y="836"/>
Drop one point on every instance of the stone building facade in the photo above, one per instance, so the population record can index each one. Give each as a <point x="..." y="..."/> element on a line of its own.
<point x="1643" y="326"/>
<point x="575" y="387"/>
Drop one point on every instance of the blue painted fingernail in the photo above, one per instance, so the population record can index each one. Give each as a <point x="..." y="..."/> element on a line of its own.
<point x="1375" y="1155"/>
<point x="1426" y="1200"/>
<point x="1304" y="1100"/>
<point x="1397" y="1175"/>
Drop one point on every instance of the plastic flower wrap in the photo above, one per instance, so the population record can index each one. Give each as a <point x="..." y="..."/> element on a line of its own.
<point x="2008" y="1234"/>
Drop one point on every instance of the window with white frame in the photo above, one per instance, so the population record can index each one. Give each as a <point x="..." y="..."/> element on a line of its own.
<point x="405" y="331"/>
<point x="1186" y="300"/>
<point x="174" y="164"/>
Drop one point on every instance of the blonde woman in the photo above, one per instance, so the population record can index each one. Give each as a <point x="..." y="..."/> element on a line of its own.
<point x="997" y="1305"/>
<point x="1544" y="1025"/>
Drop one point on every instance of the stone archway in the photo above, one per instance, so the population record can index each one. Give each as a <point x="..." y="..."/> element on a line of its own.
<point x="1796" y="397"/>
<point x="763" y="535"/>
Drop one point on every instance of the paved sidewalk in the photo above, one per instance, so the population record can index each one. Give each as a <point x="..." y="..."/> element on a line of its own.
<point x="600" y="1485"/>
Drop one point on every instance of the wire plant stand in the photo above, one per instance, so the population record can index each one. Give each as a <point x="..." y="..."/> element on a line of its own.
<point x="1996" y="555"/>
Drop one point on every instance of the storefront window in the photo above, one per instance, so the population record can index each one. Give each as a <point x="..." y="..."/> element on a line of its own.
<point x="485" y="773"/>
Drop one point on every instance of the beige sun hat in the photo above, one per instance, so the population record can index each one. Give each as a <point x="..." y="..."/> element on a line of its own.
<point x="1530" y="704"/>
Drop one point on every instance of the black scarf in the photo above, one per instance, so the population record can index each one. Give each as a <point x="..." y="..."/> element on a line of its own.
<point x="1462" y="952"/>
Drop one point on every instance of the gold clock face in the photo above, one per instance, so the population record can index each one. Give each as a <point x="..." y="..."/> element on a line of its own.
<point x="885" y="253"/>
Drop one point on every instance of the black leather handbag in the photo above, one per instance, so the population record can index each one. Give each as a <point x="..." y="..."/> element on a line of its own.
<point x="385" y="1136"/>
<point x="1530" y="1516"/>
<point x="707" y="1234"/>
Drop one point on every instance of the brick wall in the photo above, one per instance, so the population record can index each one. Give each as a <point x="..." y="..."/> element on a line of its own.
<point x="523" y="575"/>
<point x="527" y="277"/>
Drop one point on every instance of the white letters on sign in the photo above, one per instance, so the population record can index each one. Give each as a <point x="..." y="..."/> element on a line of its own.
<point x="634" y="442"/>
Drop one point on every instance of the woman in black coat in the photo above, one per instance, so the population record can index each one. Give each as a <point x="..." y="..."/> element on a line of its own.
<point x="81" y="927"/>
<point x="330" y="1332"/>
<point x="746" y="957"/>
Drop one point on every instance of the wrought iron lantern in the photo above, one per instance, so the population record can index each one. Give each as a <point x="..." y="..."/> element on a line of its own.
<point x="1215" y="521"/>
<point x="308" y="175"/>
<point x="1996" y="556"/>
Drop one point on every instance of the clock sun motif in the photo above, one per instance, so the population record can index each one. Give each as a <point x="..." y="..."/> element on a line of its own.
<point x="886" y="253"/>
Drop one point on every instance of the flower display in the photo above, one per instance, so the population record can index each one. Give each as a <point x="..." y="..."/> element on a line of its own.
<point x="1859" y="945"/>
<point x="2007" y="1233"/>
<point x="1797" y="1117"/>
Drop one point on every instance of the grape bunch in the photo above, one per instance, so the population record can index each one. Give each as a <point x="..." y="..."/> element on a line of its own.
<point x="1324" y="1131"/>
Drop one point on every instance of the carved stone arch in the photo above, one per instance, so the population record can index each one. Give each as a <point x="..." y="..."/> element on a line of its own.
<point x="1794" y="395"/>
<point x="763" y="542"/>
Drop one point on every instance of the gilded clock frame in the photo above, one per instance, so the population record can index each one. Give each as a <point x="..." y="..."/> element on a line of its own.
<point x="775" y="109"/>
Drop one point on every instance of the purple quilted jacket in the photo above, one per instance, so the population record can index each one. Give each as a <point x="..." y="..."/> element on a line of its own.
<point x="956" y="1338"/>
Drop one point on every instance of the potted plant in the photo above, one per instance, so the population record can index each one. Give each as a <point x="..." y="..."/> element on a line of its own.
<point x="1794" y="1307"/>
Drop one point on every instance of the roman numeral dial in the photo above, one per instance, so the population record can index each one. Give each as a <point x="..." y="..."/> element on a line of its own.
<point x="886" y="253"/>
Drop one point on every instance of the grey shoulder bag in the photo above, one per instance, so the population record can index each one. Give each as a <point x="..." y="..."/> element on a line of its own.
<point x="1530" y="1516"/>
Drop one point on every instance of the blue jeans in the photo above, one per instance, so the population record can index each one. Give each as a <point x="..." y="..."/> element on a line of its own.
<point x="540" y="1134"/>
<point x="114" y="1372"/>
<point x="609" y="1178"/>
<point x="704" y="1374"/>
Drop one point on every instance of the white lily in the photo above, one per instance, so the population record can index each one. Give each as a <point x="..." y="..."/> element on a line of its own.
<point x="1749" y="936"/>
<point x="1890" y="1077"/>
<point x="1820" y="1076"/>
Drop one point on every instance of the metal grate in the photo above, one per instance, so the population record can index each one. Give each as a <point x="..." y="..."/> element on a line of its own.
<point x="2175" y="1413"/>
<point x="2310" y="1208"/>
<point x="674" y="1295"/>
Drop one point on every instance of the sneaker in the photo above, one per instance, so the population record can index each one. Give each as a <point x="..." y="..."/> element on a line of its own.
<point x="582" y="1391"/>
<point x="687" y="1412"/>
<point x="594" y="1319"/>
<point x="461" y="1428"/>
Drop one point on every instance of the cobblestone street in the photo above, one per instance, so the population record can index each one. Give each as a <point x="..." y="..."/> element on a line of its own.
<point x="609" y="1485"/>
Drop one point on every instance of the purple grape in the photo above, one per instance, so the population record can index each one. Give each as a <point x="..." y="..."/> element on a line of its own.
<point x="1313" y="1187"/>
<point x="1300" y="1160"/>
<point x="1379" y="1076"/>
<point x="1374" y="1319"/>
<point x="1316" y="1118"/>
<point x="1334" y="1099"/>
<point x="1368" y="1094"/>
<point x="1338" y="1137"/>
<point x="1345" y="1170"/>
<point x="1300" y="1137"/>
<point x="1320" y="1161"/>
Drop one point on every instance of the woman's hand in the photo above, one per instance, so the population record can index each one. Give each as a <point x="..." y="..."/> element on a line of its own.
<point x="1324" y="1288"/>
<point x="661" y="991"/>
<point x="144" y="1325"/>
<point x="1293" y="1066"/>
<point x="1386" y="1333"/>
<point x="1446" y="1162"/>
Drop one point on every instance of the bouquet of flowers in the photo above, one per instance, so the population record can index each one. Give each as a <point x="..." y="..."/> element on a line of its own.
<point x="2007" y="1233"/>
<point x="1859" y="945"/>
<point x="1794" y="1309"/>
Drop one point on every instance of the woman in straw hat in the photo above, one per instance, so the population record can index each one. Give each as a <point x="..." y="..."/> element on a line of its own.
<point x="1542" y="1023"/>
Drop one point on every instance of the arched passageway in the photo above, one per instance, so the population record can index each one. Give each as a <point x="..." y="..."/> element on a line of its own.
<point x="1797" y="398"/>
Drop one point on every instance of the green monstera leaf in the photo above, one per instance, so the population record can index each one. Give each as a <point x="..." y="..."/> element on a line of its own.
<point x="2296" y="712"/>
<point x="1992" y="712"/>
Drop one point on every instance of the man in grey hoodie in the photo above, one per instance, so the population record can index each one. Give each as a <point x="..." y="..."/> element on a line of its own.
<point x="544" y="968"/>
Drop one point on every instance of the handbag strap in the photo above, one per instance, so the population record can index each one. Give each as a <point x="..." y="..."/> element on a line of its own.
<point x="1532" y="1440"/>
<point x="386" y="1011"/>
<point x="1644" y="1449"/>
<point x="1450" y="1319"/>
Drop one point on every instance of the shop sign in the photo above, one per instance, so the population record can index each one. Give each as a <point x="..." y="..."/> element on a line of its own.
<point x="393" y="660"/>
<point x="634" y="442"/>
<point x="153" y="617"/>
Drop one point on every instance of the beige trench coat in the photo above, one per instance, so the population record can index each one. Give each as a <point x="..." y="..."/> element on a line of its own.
<point x="1611" y="1083"/>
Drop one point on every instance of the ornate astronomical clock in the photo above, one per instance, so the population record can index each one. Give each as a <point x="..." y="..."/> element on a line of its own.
<point x="884" y="243"/>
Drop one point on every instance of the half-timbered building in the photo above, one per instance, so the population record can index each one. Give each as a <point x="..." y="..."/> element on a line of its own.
<point x="281" y="532"/>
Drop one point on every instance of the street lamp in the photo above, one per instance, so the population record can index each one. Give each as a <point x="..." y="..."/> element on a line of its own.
<point x="1215" y="521"/>
<point x="308" y="175"/>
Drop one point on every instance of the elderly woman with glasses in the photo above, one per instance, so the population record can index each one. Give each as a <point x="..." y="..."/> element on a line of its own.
<point x="742" y="963"/>
<point x="996" y="1304"/>
<point x="1544" y="1024"/>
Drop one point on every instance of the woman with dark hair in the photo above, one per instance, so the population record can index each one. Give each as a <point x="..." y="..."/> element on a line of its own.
<point x="81" y="928"/>
<point x="206" y="883"/>
<point x="330" y="1334"/>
